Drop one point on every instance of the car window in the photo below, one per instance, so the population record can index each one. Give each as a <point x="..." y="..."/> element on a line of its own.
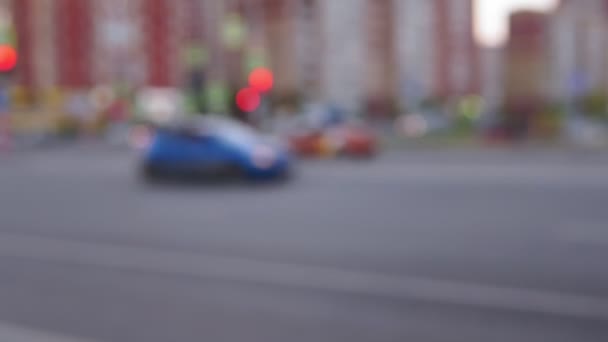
<point x="231" y="131"/>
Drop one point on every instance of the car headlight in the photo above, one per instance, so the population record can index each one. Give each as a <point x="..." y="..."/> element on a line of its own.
<point x="263" y="157"/>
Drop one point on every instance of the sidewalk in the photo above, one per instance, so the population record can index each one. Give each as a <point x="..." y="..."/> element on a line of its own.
<point x="394" y="141"/>
<point x="33" y="128"/>
<point x="32" y="121"/>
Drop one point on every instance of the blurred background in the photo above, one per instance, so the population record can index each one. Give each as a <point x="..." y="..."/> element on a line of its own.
<point x="505" y="70"/>
<point x="441" y="168"/>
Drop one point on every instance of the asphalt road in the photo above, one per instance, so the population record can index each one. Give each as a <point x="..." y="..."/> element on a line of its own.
<point x="478" y="245"/>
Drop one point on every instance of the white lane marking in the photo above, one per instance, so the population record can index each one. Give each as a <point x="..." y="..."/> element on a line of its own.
<point x="14" y="333"/>
<point x="304" y="276"/>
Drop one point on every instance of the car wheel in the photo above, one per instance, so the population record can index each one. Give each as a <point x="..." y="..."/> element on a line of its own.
<point x="150" y="174"/>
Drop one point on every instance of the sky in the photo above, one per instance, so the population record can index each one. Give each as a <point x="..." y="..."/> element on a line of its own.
<point x="492" y="17"/>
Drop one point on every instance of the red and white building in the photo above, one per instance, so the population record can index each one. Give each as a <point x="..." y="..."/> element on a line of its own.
<point x="398" y="53"/>
<point x="457" y="55"/>
<point x="378" y="54"/>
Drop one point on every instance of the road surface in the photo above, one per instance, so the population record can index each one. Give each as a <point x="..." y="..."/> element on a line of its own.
<point x="494" y="245"/>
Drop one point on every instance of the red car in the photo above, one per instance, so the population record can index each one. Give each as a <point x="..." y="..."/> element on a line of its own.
<point x="346" y="139"/>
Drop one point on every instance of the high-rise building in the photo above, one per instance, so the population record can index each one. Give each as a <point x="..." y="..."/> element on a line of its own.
<point x="379" y="67"/>
<point x="373" y="54"/>
<point x="457" y="56"/>
<point x="492" y="73"/>
<point x="343" y="53"/>
<point x="415" y="31"/>
<point x="118" y="40"/>
<point x="526" y="70"/>
<point x="309" y="47"/>
<point x="579" y="48"/>
<point x="437" y="53"/>
<point x="24" y="16"/>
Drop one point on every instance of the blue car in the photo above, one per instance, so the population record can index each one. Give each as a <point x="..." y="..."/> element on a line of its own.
<point x="213" y="147"/>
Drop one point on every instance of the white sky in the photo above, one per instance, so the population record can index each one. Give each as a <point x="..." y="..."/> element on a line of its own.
<point x="492" y="17"/>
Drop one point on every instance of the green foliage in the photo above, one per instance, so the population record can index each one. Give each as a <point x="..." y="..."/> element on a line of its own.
<point x="217" y="96"/>
<point x="470" y="107"/>
<point x="595" y="105"/>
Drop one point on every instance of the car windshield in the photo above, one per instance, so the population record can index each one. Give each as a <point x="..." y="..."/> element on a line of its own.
<point x="232" y="131"/>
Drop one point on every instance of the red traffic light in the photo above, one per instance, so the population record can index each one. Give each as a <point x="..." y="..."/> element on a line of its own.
<point x="248" y="99"/>
<point x="8" y="58"/>
<point x="261" y="79"/>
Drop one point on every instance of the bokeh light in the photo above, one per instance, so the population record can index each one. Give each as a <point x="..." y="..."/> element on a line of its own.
<point x="248" y="99"/>
<point x="412" y="126"/>
<point x="261" y="79"/>
<point x="8" y="58"/>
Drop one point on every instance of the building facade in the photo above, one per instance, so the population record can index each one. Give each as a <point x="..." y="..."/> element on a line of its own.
<point x="457" y="56"/>
<point x="527" y="73"/>
<point x="343" y="53"/>
<point x="416" y="49"/>
<point x="437" y="54"/>
<point x="579" y="49"/>
<point x="395" y="54"/>
<point x="378" y="55"/>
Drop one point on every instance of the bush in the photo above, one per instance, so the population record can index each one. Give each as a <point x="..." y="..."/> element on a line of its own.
<point x="595" y="105"/>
